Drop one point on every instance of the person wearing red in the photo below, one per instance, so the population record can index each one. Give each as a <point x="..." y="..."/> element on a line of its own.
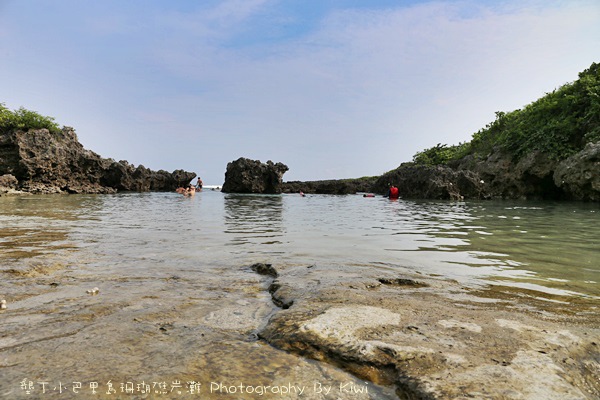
<point x="393" y="192"/>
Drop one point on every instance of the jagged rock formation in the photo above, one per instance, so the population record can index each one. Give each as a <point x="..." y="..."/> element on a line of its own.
<point x="439" y="182"/>
<point x="538" y="176"/>
<point x="535" y="176"/>
<point x="45" y="162"/>
<point x="579" y="175"/>
<point x="252" y="176"/>
<point x="529" y="178"/>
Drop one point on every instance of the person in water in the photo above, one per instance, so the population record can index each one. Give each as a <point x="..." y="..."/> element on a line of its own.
<point x="199" y="183"/>
<point x="186" y="190"/>
<point x="190" y="190"/>
<point x="393" y="192"/>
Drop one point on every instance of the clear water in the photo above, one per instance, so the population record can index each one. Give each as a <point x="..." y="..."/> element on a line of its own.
<point x="550" y="247"/>
<point x="179" y="303"/>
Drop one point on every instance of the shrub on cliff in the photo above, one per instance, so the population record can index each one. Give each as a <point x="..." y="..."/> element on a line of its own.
<point x="441" y="154"/>
<point x="559" y="124"/>
<point x="24" y="120"/>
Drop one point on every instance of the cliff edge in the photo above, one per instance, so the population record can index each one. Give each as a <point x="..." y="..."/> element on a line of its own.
<point x="42" y="160"/>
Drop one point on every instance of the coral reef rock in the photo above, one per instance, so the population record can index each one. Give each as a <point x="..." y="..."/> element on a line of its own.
<point x="579" y="175"/>
<point x="439" y="182"/>
<point x="535" y="176"/>
<point x="252" y="176"/>
<point x="44" y="162"/>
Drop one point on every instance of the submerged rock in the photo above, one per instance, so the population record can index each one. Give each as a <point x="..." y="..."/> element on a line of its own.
<point x="264" y="269"/>
<point x="252" y="176"/>
<point x="93" y="291"/>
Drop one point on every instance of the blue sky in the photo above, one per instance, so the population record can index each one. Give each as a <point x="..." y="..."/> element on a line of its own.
<point x="333" y="89"/>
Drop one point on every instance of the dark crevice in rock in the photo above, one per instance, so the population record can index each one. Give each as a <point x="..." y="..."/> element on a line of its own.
<point x="384" y="374"/>
<point x="280" y="301"/>
<point x="401" y="282"/>
<point x="543" y="187"/>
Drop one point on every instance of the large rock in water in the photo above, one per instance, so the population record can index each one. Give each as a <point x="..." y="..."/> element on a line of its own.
<point x="252" y="176"/>
<point x="45" y="162"/>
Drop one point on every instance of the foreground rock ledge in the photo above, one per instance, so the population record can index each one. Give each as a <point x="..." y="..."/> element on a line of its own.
<point x="434" y="339"/>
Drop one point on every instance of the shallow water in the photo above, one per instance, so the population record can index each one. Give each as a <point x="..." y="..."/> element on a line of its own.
<point x="174" y="274"/>
<point x="554" y="246"/>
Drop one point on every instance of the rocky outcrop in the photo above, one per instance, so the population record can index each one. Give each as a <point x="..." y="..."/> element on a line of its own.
<point x="338" y="186"/>
<point x="252" y="176"/>
<point x="579" y="175"/>
<point x="439" y="182"/>
<point x="531" y="177"/>
<point x="535" y="176"/>
<point x="45" y="162"/>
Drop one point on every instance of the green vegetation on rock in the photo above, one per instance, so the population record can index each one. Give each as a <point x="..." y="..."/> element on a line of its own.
<point x="23" y="119"/>
<point x="559" y="124"/>
<point x="441" y="154"/>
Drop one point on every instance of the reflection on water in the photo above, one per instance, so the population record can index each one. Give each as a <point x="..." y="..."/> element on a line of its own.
<point x="253" y="219"/>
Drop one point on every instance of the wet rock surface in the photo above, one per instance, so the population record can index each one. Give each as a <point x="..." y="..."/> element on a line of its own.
<point x="252" y="176"/>
<point x="264" y="269"/>
<point x="437" y="340"/>
<point x="156" y="329"/>
<point x="47" y="163"/>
